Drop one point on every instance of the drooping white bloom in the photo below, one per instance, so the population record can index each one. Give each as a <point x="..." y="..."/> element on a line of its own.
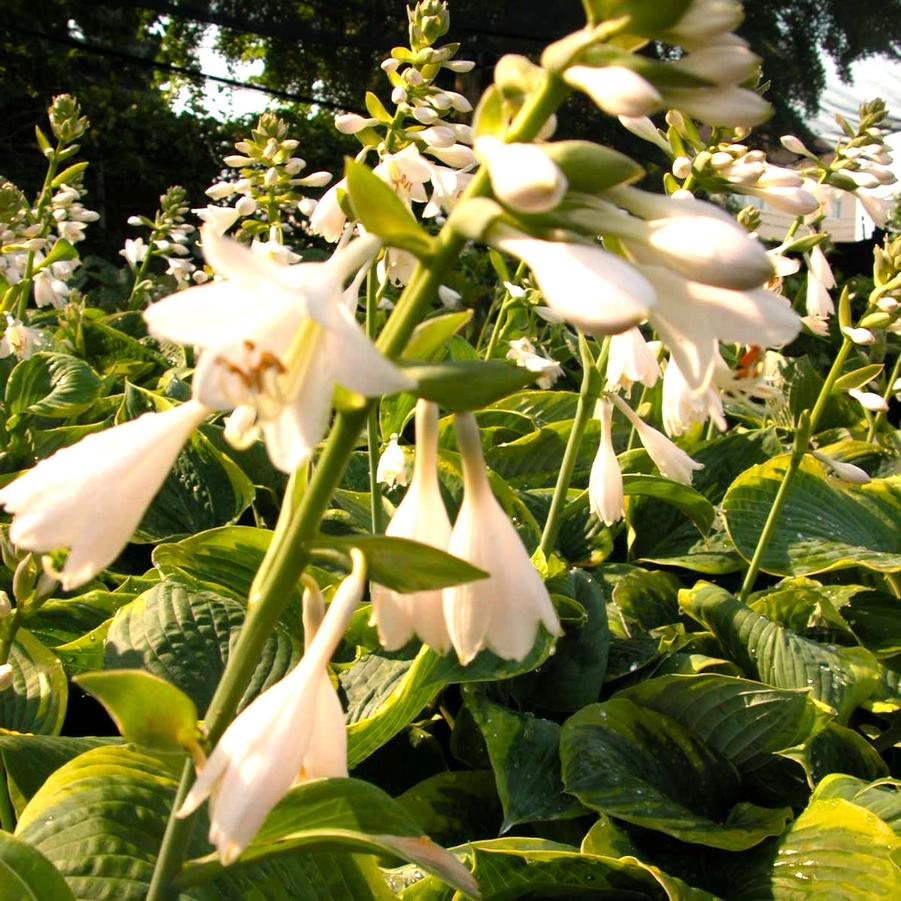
<point x="49" y="291"/>
<point x="847" y="472"/>
<point x="589" y="287"/>
<point x="19" y="339"/>
<point x="878" y="208"/>
<point x="672" y="461"/>
<point x="503" y="612"/>
<point x="523" y="353"/>
<point x="522" y="175"/>
<point x="293" y="731"/>
<point x="449" y="297"/>
<point x="605" y="483"/>
<point x="874" y="403"/>
<point x="277" y="339"/>
<point x="420" y="516"/>
<point x="616" y="90"/>
<point x="631" y="360"/>
<point x="682" y="406"/>
<point x="135" y="251"/>
<point x="67" y="501"/>
<point x="393" y="468"/>
<point x="692" y="318"/>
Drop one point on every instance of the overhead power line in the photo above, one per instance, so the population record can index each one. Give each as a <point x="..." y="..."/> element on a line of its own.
<point x="187" y="72"/>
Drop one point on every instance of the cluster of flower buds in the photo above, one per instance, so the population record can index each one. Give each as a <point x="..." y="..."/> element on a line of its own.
<point x="268" y="200"/>
<point x="859" y="164"/>
<point x="169" y="239"/>
<point x="18" y="234"/>
<point x="704" y="82"/>
<point x="416" y="145"/>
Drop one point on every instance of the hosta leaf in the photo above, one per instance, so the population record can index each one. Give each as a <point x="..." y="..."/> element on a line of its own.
<point x="52" y="385"/>
<point x="455" y="806"/>
<point x="526" y="762"/>
<point x="837" y="750"/>
<point x="342" y="814"/>
<point x="882" y="797"/>
<point x="100" y="820"/>
<point x="30" y="759"/>
<point x="647" y="600"/>
<point x="112" y="351"/>
<point x="646" y="768"/>
<point x="825" y="524"/>
<point x="840" y="677"/>
<point x="432" y="334"/>
<point x="466" y="384"/>
<point x="835" y="849"/>
<point x="36" y="700"/>
<point x="874" y="618"/>
<point x="542" y="407"/>
<point x="185" y="637"/>
<point x="574" y="674"/>
<point x="744" y="721"/>
<point x="59" y="621"/>
<point x="511" y="868"/>
<point x="26" y="875"/>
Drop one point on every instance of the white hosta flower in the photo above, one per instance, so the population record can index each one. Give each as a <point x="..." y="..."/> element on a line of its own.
<point x="616" y="90"/>
<point x="786" y="199"/>
<point x="523" y="352"/>
<point x="49" y="291"/>
<point x="818" y="304"/>
<point x="605" y="483"/>
<point x="862" y="336"/>
<point x="704" y="21"/>
<point x="71" y="230"/>
<point x="879" y="209"/>
<point x="847" y="472"/>
<point x="724" y="105"/>
<point x="351" y="123"/>
<point x="726" y="62"/>
<point x="692" y="318"/>
<point x="874" y="403"/>
<point x="642" y="127"/>
<point x="589" y="287"/>
<point x="672" y="461"/>
<point x="457" y="156"/>
<point x="135" y="251"/>
<point x="449" y="297"/>
<point x="292" y="732"/>
<point x="218" y="219"/>
<point x="631" y="360"/>
<point x="393" y="468"/>
<point x="6" y="676"/>
<point x="278" y="339"/>
<point x="522" y="175"/>
<point x="503" y="612"/>
<point x="67" y="501"/>
<point x="396" y="266"/>
<point x="5" y="605"/>
<point x="420" y="516"/>
<point x="816" y="325"/>
<point x="20" y="339"/>
<point x="682" y="405"/>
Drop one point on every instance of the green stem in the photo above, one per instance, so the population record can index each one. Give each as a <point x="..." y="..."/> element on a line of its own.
<point x="288" y="552"/>
<point x="592" y="382"/>
<point x="372" y="421"/>
<point x="880" y="417"/>
<point x="806" y="427"/>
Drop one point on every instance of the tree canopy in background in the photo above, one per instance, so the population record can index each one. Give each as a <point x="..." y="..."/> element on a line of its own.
<point x="117" y="57"/>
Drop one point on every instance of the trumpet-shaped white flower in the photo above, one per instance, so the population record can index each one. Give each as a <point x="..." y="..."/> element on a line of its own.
<point x="19" y="339"/>
<point x="218" y="219"/>
<point x="393" y="469"/>
<point x="595" y="290"/>
<point x="672" y="461"/>
<point x="605" y="483"/>
<point x="523" y="352"/>
<point x="503" y="612"/>
<point x="66" y="501"/>
<point x="421" y="516"/>
<point x="293" y="731"/>
<point x="692" y="318"/>
<point x="631" y="360"/>
<point x="616" y="90"/>
<point x="276" y="339"/>
<point x="135" y="251"/>
<point x="522" y="175"/>
<point x="683" y="406"/>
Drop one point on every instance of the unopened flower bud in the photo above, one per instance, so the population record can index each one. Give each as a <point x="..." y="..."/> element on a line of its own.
<point x="5" y="606"/>
<point x="861" y="336"/>
<point x="246" y="206"/>
<point x="869" y="401"/>
<point x="682" y="167"/>
<point x="847" y="472"/>
<point x="6" y="676"/>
